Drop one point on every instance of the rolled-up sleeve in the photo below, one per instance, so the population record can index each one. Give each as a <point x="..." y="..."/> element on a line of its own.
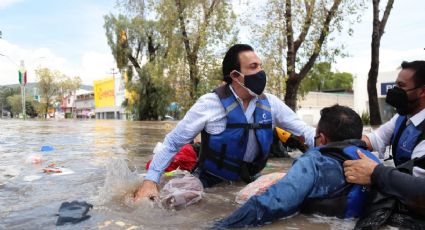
<point x="381" y="137"/>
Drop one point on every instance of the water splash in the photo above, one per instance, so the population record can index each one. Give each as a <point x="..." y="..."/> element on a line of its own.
<point x="120" y="183"/>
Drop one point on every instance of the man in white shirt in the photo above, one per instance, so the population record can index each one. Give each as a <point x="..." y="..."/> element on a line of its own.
<point x="400" y="197"/>
<point x="236" y="123"/>
<point x="405" y="131"/>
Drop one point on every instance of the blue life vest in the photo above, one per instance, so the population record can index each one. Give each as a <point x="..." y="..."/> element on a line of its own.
<point x="405" y="139"/>
<point x="222" y="154"/>
<point x="350" y="200"/>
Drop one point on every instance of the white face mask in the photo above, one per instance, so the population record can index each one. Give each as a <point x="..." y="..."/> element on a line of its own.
<point x="243" y="86"/>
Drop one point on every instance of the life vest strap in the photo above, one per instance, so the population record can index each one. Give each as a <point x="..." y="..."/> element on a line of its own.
<point x="249" y="126"/>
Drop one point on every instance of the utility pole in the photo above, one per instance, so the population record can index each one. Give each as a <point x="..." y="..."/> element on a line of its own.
<point x="23" y="82"/>
<point x="113" y="72"/>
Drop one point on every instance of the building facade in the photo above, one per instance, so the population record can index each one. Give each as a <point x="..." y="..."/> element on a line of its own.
<point x="386" y="81"/>
<point x="109" y="95"/>
<point x="84" y="105"/>
<point x="311" y="104"/>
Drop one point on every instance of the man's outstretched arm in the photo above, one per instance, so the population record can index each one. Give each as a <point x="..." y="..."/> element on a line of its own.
<point x="280" y="200"/>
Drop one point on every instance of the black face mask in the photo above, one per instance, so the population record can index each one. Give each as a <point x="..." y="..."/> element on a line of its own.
<point x="256" y="83"/>
<point x="397" y="98"/>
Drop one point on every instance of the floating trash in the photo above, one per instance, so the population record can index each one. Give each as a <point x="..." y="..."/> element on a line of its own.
<point x="46" y="148"/>
<point x="33" y="159"/>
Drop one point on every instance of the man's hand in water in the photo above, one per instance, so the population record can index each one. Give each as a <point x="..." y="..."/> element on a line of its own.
<point x="359" y="171"/>
<point x="148" y="189"/>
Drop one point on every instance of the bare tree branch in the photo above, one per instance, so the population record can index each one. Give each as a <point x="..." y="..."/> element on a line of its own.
<point x="307" y="23"/>
<point x="385" y="17"/>
<point x="319" y="43"/>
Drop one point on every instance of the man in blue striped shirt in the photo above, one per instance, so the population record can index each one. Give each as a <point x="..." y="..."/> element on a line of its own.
<point x="236" y="123"/>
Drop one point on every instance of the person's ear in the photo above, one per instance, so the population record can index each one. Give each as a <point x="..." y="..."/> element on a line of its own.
<point x="323" y="139"/>
<point x="422" y="93"/>
<point x="234" y="74"/>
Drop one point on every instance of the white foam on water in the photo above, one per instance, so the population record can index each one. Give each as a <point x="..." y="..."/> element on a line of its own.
<point x="32" y="178"/>
<point x="7" y="173"/>
<point x="335" y="223"/>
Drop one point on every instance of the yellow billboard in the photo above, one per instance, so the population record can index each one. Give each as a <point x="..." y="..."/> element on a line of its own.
<point x="104" y="93"/>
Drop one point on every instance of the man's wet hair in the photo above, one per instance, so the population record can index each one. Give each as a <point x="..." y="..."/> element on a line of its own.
<point x="340" y="123"/>
<point x="419" y="68"/>
<point x="231" y="60"/>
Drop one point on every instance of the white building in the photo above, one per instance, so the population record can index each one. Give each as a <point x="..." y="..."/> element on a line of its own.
<point x="386" y="80"/>
<point x="313" y="102"/>
<point x="84" y="104"/>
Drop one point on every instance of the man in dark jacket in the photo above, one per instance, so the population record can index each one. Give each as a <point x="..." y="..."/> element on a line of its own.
<point x="315" y="183"/>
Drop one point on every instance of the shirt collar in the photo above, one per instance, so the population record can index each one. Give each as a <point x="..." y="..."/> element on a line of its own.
<point x="418" y="118"/>
<point x="238" y="98"/>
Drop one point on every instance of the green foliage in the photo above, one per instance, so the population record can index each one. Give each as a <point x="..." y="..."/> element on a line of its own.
<point x="6" y="92"/>
<point x="168" y="49"/>
<point x="321" y="78"/>
<point x="291" y="35"/>
<point x="52" y="85"/>
<point x="365" y="118"/>
<point x="30" y="108"/>
<point x="67" y="84"/>
<point x="15" y="102"/>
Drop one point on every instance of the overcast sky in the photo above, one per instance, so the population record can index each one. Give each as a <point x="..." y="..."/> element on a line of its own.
<point x="69" y="36"/>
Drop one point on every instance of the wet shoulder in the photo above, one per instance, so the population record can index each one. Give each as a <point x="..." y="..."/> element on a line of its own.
<point x="315" y="156"/>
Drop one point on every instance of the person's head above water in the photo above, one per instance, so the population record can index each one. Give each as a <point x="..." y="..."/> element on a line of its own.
<point x="338" y="123"/>
<point x="408" y="95"/>
<point x="242" y="68"/>
<point x="231" y="60"/>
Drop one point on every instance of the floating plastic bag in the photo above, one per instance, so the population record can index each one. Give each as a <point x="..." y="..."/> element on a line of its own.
<point x="33" y="159"/>
<point x="179" y="193"/>
<point x="258" y="186"/>
<point x="46" y="148"/>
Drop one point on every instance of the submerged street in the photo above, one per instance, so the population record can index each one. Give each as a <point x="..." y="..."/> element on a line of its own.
<point x="86" y="151"/>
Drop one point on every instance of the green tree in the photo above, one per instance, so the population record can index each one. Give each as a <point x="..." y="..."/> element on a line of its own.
<point x="293" y="34"/>
<point x="15" y="102"/>
<point x="201" y="26"/>
<point x="132" y="40"/>
<point x="321" y="78"/>
<point x="378" y="31"/>
<point x="6" y="92"/>
<point x="67" y="85"/>
<point x="163" y="51"/>
<point x="31" y="107"/>
<point x="48" y="85"/>
<point x="342" y="80"/>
